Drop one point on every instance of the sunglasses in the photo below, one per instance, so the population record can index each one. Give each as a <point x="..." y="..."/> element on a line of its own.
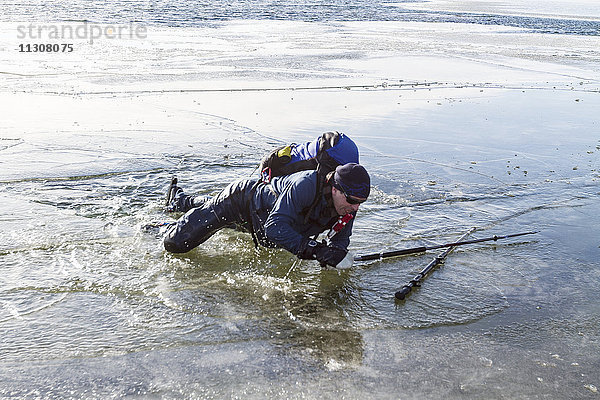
<point x="350" y="199"/>
<point x="353" y="200"/>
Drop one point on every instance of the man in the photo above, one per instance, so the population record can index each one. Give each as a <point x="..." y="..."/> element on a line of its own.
<point x="275" y="213"/>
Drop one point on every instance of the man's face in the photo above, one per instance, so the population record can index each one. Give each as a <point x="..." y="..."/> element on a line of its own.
<point x="340" y="202"/>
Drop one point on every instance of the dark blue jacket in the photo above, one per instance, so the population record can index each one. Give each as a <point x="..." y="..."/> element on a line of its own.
<point x="278" y="212"/>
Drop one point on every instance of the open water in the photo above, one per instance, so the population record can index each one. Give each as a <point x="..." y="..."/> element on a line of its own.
<point x="197" y="12"/>
<point x="92" y="307"/>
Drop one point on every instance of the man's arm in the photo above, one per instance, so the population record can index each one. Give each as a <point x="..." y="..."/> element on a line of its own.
<point x="286" y="215"/>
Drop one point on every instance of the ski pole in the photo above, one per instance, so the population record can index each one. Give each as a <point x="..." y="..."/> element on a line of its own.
<point x="422" y="249"/>
<point x="416" y="281"/>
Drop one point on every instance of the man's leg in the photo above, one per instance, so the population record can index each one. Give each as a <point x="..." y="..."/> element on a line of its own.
<point x="184" y="202"/>
<point x="228" y="207"/>
<point x="192" y="229"/>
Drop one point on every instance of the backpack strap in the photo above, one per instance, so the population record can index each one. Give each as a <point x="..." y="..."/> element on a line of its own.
<point x="339" y="225"/>
<point x="325" y="164"/>
<point x="322" y="180"/>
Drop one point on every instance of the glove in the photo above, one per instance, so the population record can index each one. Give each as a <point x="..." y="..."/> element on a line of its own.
<point x="330" y="255"/>
<point x="313" y="250"/>
<point x="308" y="248"/>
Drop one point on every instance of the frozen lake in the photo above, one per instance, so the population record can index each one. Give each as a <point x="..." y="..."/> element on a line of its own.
<point x="466" y="114"/>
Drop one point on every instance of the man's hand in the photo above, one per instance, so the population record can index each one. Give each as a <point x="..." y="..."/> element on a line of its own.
<point x="330" y="255"/>
<point x="313" y="250"/>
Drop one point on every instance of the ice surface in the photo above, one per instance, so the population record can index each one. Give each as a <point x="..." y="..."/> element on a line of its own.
<point x="460" y="125"/>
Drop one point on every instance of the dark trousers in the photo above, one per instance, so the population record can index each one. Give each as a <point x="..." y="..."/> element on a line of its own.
<point x="229" y="208"/>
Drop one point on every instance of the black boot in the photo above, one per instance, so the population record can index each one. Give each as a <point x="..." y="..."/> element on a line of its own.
<point x="171" y="201"/>
<point x="178" y="201"/>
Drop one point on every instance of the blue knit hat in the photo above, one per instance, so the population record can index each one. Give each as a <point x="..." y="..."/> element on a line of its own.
<point x="353" y="180"/>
